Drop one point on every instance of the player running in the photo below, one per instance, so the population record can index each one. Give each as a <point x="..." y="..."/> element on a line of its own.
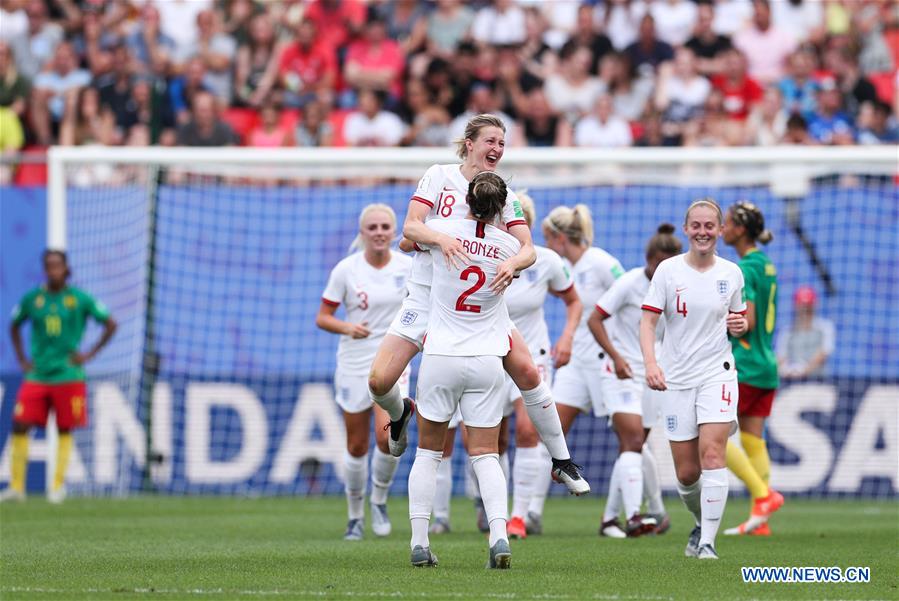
<point x="462" y="366"/>
<point x="744" y="226"/>
<point x="371" y="285"/>
<point x="701" y="297"/>
<point x="441" y="194"/>
<point x="634" y="406"/>
<point x="54" y="376"/>
<point x="525" y="298"/>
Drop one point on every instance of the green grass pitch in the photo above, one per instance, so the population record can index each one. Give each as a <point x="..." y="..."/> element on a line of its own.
<point x="291" y="548"/>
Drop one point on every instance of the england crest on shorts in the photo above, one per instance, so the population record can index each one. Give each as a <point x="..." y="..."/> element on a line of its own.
<point x="723" y="287"/>
<point x="671" y="422"/>
<point x="408" y="318"/>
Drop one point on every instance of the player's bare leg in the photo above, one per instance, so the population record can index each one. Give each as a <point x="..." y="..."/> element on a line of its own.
<point x="391" y="360"/>
<point x="542" y="410"/>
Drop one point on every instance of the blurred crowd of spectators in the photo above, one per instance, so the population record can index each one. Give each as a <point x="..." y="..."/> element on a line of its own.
<point x="411" y="72"/>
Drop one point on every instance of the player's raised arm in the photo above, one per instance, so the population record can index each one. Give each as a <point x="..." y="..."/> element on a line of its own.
<point x="414" y="228"/>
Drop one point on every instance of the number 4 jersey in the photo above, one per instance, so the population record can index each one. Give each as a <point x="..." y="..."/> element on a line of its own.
<point x="695" y="348"/>
<point x="466" y="318"/>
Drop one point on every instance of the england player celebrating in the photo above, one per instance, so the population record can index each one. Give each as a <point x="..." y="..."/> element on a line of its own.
<point x="462" y="367"/>
<point x="701" y="297"/>
<point x="569" y="232"/>
<point x="525" y="298"/>
<point x="371" y="285"/>
<point x="744" y="227"/>
<point x="441" y="194"/>
<point x="615" y="324"/>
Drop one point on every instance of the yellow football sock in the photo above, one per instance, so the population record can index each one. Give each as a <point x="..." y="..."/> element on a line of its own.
<point x="19" y="461"/>
<point x="739" y="464"/>
<point x="757" y="451"/>
<point x="63" y="450"/>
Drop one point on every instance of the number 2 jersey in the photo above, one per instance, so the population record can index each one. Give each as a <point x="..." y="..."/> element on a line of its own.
<point x="369" y="295"/>
<point x="444" y="189"/>
<point x="695" y="348"/>
<point x="466" y="318"/>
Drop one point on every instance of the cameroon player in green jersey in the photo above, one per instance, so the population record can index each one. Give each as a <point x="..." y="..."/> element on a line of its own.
<point x="744" y="227"/>
<point x="54" y="376"/>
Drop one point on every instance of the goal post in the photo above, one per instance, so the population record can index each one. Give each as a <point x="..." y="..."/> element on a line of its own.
<point x="213" y="261"/>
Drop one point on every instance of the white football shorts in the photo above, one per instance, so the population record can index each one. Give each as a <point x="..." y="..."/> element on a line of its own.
<point x="580" y="387"/>
<point x="351" y="389"/>
<point x="473" y="384"/>
<point x="712" y="402"/>
<point x="411" y="322"/>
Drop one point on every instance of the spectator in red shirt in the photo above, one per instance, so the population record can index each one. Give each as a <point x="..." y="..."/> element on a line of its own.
<point x="338" y="21"/>
<point x="307" y="68"/>
<point x="375" y="62"/>
<point x="740" y="91"/>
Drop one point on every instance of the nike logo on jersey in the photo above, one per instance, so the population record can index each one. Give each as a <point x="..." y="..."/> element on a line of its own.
<point x="713" y="500"/>
<point x="679" y="290"/>
<point x="546" y="406"/>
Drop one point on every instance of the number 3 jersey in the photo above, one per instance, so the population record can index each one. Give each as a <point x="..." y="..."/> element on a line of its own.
<point x="466" y="318"/>
<point x="444" y="189"/>
<point x="369" y="295"/>
<point x="695" y="348"/>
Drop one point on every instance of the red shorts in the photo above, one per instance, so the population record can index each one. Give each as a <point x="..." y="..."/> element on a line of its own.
<point x="754" y="401"/>
<point x="68" y="399"/>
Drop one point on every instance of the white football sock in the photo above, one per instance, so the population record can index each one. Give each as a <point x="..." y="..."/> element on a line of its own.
<point x="542" y="482"/>
<point x="543" y="413"/>
<point x="444" y="489"/>
<point x="652" y="487"/>
<point x="355" y="471"/>
<point x="392" y="402"/>
<point x="714" y="499"/>
<point x="613" y="503"/>
<point x="494" y="491"/>
<point x="422" y="486"/>
<point x="383" y="467"/>
<point x="691" y="494"/>
<point x="504" y="465"/>
<point x="524" y="476"/>
<point x="631" y="482"/>
<point x="471" y="482"/>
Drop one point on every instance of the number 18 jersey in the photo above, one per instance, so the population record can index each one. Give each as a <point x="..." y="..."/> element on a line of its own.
<point x="444" y="189"/>
<point x="466" y="318"/>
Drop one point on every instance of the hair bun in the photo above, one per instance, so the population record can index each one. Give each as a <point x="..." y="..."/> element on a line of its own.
<point x="665" y="228"/>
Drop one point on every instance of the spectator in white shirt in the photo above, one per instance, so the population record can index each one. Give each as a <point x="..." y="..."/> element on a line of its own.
<point x="674" y="20"/>
<point x="603" y="128"/>
<point x="681" y="92"/>
<point x="621" y="20"/>
<point x="500" y="24"/>
<point x="371" y="125"/>
<point x="803" y="19"/>
<point x="573" y="90"/>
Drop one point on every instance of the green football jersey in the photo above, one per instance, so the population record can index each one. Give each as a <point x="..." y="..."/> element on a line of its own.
<point x="57" y="325"/>
<point x="754" y="352"/>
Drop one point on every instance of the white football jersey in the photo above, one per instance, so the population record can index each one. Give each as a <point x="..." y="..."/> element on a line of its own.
<point x="695" y="305"/>
<point x="593" y="274"/>
<point x="622" y="305"/>
<point x="526" y="295"/>
<point x="444" y="189"/>
<point x="466" y="318"/>
<point x="368" y="295"/>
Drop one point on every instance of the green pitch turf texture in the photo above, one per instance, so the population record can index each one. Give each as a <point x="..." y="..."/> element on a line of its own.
<point x="291" y="548"/>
